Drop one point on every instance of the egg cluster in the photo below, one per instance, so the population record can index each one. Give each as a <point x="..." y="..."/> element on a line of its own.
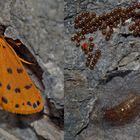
<point x="88" y="23"/>
<point x="92" y="59"/>
<point x="135" y="28"/>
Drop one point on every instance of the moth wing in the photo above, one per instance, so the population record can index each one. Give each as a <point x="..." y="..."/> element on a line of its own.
<point x="19" y="94"/>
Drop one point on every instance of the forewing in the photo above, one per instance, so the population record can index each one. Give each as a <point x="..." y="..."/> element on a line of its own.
<point x="19" y="94"/>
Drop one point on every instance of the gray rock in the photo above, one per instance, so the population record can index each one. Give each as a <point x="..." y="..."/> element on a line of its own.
<point x="78" y="105"/>
<point x="48" y="130"/>
<point x="105" y="84"/>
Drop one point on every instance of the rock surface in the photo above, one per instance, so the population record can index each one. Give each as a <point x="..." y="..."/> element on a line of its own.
<point x="39" y="25"/>
<point x="115" y="76"/>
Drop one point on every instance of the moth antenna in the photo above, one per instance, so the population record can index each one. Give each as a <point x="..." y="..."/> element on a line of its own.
<point x="24" y="61"/>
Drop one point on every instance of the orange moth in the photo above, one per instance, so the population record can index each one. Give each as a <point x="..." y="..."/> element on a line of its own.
<point x="18" y="94"/>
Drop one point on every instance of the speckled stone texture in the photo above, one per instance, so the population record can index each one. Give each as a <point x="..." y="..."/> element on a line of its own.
<point x="39" y="25"/>
<point x="116" y="75"/>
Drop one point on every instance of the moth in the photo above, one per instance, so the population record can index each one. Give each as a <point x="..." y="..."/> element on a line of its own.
<point x="123" y="112"/>
<point x="18" y="94"/>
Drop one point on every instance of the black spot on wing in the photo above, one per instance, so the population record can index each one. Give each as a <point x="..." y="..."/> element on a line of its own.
<point x="9" y="70"/>
<point x="19" y="70"/>
<point x="28" y="86"/>
<point x="17" y="90"/>
<point x="38" y="103"/>
<point x="8" y="87"/>
<point x="17" y="106"/>
<point x="29" y="103"/>
<point x="34" y="105"/>
<point x="4" y="100"/>
<point x="0" y="84"/>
